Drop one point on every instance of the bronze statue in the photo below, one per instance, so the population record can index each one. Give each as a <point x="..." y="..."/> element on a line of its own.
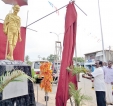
<point x="11" y="28"/>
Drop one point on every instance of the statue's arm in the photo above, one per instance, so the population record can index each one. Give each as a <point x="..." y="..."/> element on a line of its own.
<point x="6" y="21"/>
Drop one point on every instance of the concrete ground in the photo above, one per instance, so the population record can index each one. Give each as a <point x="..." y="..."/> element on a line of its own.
<point x="85" y="84"/>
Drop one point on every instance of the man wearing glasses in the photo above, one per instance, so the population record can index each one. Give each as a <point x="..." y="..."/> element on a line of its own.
<point x="108" y="71"/>
<point x="99" y="83"/>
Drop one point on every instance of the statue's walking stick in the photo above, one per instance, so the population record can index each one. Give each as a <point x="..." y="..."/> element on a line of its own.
<point x="6" y="49"/>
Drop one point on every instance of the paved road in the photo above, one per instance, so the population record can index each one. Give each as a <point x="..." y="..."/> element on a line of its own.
<point x="85" y="84"/>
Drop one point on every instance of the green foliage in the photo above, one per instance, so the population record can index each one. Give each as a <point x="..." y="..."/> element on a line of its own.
<point x="29" y="63"/>
<point x="79" y="59"/>
<point x="32" y="73"/>
<point x="16" y="75"/>
<point x="52" y="57"/>
<point x="43" y="58"/>
<point x="77" y="70"/>
<point x="27" y="60"/>
<point x="77" y="96"/>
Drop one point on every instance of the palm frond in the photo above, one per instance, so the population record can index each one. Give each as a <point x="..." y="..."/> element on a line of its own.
<point x="77" y="96"/>
<point x="16" y="75"/>
<point x="77" y="70"/>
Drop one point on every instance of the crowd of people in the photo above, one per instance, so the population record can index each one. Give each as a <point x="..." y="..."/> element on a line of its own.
<point x="103" y="81"/>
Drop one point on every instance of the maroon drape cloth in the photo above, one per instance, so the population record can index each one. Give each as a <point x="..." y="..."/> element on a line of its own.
<point x="19" y="2"/>
<point x="65" y="77"/>
<point x="19" y="51"/>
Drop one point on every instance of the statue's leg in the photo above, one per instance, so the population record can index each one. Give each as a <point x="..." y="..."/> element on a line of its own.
<point x="10" y="39"/>
<point x="15" y="38"/>
<point x="11" y="52"/>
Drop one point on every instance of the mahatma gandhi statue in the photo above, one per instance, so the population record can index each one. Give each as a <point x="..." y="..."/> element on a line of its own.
<point x="11" y="28"/>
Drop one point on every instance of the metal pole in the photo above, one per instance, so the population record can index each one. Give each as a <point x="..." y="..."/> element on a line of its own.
<point x="27" y="18"/>
<point x="58" y="37"/>
<point x="56" y="56"/>
<point x="56" y="34"/>
<point x="109" y="52"/>
<point x="80" y="9"/>
<point x="57" y="51"/>
<point x="32" y="29"/>
<point x="76" y="54"/>
<point x="71" y="102"/>
<point x="55" y="12"/>
<point x="104" y="59"/>
<point x="46" y="96"/>
<point x="37" y="92"/>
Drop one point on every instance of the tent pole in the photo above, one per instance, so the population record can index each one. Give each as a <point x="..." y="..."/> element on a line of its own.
<point x="80" y="9"/>
<point x="46" y="15"/>
<point x="56" y="11"/>
<point x="26" y="25"/>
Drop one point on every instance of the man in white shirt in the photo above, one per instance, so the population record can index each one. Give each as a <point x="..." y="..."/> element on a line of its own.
<point x="108" y="71"/>
<point x="99" y="84"/>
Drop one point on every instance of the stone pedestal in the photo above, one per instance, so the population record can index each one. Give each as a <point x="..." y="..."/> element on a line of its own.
<point x="20" y="99"/>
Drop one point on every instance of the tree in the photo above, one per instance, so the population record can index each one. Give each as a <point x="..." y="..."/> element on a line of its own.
<point x="79" y="59"/>
<point x="27" y="60"/>
<point x="43" y="58"/>
<point x="52" y="57"/>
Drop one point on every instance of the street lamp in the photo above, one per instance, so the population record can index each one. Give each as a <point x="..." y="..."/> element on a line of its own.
<point x="56" y="50"/>
<point x="56" y="34"/>
<point x="39" y="57"/>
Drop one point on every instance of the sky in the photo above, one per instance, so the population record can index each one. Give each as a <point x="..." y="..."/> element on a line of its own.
<point x="42" y="42"/>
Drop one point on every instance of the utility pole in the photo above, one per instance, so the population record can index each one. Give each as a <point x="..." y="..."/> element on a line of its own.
<point x="104" y="58"/>
<point x="109" y="51"/>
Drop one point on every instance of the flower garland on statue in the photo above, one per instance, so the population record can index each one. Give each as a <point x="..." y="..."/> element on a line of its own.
<point x="46" y="72"/>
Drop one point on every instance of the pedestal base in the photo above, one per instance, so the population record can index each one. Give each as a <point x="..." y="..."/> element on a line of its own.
<point x="22" y="100"/>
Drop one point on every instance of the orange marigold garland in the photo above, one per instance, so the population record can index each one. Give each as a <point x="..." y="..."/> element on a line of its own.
<point x="46" y="71"/>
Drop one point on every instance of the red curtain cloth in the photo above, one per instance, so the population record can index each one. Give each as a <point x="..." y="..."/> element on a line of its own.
<point x="65" y="77"/>
<point x="20" y="47"/>
<point x="19" y="2"/>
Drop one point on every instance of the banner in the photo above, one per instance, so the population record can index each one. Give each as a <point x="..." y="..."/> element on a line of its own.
<point x="19" y="49"/>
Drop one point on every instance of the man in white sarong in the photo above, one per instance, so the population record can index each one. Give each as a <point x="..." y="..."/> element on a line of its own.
<point x="108" y="71"/>
<point x="99" y="83"/>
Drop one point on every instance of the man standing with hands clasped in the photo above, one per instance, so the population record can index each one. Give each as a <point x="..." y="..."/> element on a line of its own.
<point x="108" y="71"/>
<point x="99" y="83"/>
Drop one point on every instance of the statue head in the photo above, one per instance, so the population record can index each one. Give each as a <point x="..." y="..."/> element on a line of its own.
<point x="16" y="8"/>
